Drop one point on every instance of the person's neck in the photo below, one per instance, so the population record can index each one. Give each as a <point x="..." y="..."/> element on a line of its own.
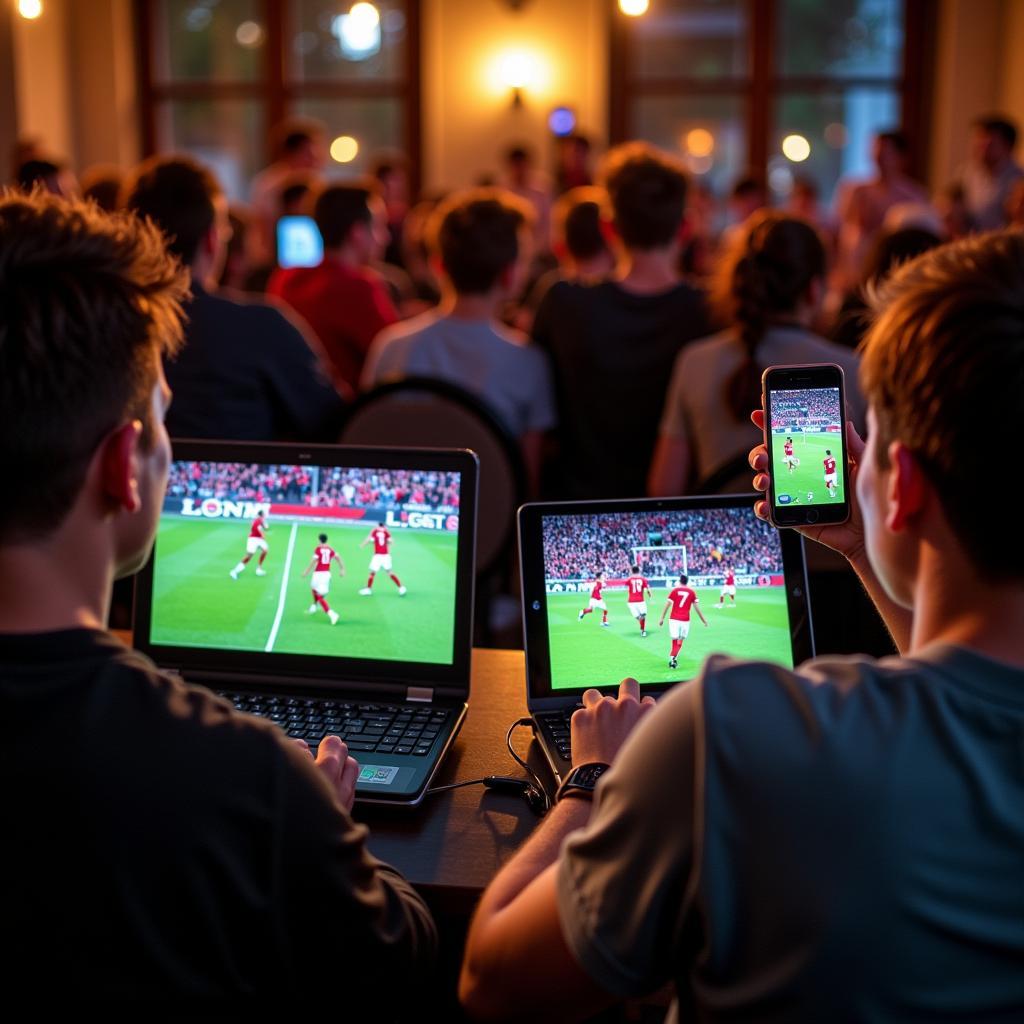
<point x="953" y="604"/>
<point x="344" y="256"/>
<point x="53" y="585"/>
<point x="595" y="267"/>
<point x="649" y="271"/>
<point x="471" y="307"/>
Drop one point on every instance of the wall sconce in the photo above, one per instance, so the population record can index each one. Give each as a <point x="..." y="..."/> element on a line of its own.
<point x="518" y="72"/>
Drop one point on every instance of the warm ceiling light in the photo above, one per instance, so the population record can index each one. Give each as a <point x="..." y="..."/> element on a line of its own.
<point x="796" y="148"/>
<point x="518" y="70"/>
<point x="358" y="31"/>
<point x="700" y="142"/>
<point x="249" y="34"/>
<point x="634" y="8"/>
<point x="30" y="9"/>
<point x="344" y="149"/>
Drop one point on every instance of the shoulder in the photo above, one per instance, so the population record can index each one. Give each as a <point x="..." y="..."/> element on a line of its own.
<point x="407" y="331"/>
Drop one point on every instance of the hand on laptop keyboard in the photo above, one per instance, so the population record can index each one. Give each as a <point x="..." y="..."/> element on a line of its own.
<point x="340" y="770"/>
<point x="601" y="726"/>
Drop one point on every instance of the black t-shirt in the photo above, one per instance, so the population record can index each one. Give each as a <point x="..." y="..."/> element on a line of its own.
<point x="246" y="373"/>
<point x="612" y="353"/>
<point x="156" y="842"/>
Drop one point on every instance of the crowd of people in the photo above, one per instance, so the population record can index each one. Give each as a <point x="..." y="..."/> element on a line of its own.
<point x="810" y="409"/>
<point x="331" y="487"/>
<point x="581" y="547"/>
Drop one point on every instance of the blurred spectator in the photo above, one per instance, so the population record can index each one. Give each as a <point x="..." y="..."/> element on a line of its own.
<point x="572" y="163"/>
<point x="416" y="252"/>
<point x="770" y="287"/>
<point x="861" y="209"/>
<point x="392" y="176"/>
<point x="246" y="372"/>
<point x="613" y="343"/>
<point x="521" y="178"/>
<point x="1015" y="205"/>
<point x="478" y="238"/>
<point x="236" y="272"/>
<point x="103" y="183"/>
<point x="890" y="250"/>
<point x="343" y="299"/>
<point x="990" y="172"/>
<point x="952" y="206"/>
<point x="298" y="147"/>
<point x="55" y="177"/>
<point x="25" y="148"/>
<point x="804" y="204"/>
<point x="747" y="197"/>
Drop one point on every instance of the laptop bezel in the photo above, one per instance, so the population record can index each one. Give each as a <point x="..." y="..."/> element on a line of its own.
<point x="540" y="695"/>
<point x="383" y="679"/>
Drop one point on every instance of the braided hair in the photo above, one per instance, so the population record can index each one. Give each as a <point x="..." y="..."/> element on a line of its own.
<point x="764" y="276"/>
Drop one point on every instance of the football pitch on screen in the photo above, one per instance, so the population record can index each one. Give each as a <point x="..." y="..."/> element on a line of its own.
<point x="198" y="604"/>
<point x="809" y="476"/>
<point x="587" y="654"/>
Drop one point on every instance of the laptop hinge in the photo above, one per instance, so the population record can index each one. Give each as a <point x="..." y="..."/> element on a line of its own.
<point x="420" y="693"/>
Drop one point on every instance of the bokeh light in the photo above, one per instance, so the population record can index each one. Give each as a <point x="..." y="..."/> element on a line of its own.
<point x="796" y="148"/>
<point x="344" y="149"/>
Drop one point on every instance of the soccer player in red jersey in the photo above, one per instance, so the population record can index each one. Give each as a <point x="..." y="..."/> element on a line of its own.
<point x="680" y="599"/>
<point x="596" y="600"/>
<point x="380" y="536"/>
<point x="320" y="567"/>
<point x="728" y="588"/>
<point x="788" y="457"/>
<point x="638" y="591"/>
<point x="255" y="542"/>
<point x="830" y="472"/>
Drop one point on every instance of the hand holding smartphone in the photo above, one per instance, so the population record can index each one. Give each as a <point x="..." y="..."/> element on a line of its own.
<point x="805" y="436"/>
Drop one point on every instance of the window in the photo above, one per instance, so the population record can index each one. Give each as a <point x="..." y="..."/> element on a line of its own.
<point x="217" y="75"/>
<point x="779" y="88"/>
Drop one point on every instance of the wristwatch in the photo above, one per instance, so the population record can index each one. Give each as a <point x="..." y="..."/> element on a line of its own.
<point x="582" y="780"/>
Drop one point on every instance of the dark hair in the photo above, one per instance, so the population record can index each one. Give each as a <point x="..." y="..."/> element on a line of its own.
<point x="896" y="247"/>
<point x="338" y="209"/>
<point x="943" y="370"/>
<point x="765" y="274"/>
<point x="748" y="185"/>
<point x="291" y="135"/>
<point x="517" y="154"/>
<point x="577" y="215"/>
<point x="476" y="234"/>
<point x="647" y="190"/>
<point x="683" y="578"/>
<point x="91" y="301"/>
<point x="178" y="194"/>
<point x="828" y="451"/>
<point x="996" y="125"/>
<point x="636" y="568"/>
<point x="103" y="184"/>
<point x="32" y="172"/>
<point x="293" y="192"/>
<point x="897" y="140"/>
<point x="323" y="538"/>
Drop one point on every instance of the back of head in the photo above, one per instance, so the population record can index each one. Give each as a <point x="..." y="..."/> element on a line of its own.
<point x="295" y="139"/>
<point x="179" y="195"/>
<point x="338" y="209"/>
<point x="477" y="236"/>
<point x="577" y="219"/>
<point x="91" y="301"/>
<point x="103" y="183"/>
<point x="647" y="190"/>
<point x="763" y="277"/>
<point x="943" y="370"/>
<point x="37" y="171"/>
<point x="1001" y="127"/>
<point x="895" y="248"/>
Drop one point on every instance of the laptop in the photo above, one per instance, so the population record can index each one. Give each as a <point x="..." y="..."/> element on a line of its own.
<point x="244" y="593"/>
<point x="597" y="577"/>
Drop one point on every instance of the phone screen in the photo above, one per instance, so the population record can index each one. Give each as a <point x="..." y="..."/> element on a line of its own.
<point x="805" y="429"/>
<point x="298" y="242"/>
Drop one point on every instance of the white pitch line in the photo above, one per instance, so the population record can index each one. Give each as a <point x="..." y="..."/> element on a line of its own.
<point x="284" y="588"/>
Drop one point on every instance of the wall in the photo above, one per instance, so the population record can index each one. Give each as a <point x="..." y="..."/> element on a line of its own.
<point x="468" y="119"/>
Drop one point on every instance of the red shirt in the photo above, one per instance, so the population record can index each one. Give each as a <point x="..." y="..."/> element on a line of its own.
<point x="324" y="553"/>
<point x="682" y="598"/>
<point x="730" y="579"/>
<point x="788" y="447"/>
<point x="637" y="586"/>
<point x="596" y="592"/>
<point x="830" y="466"/>
<point x="257" y="528"/>
<point x="381" y="537"/>
<point x="346" y="308"/>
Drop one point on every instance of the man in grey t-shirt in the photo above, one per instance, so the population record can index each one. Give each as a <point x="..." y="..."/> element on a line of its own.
<point x="844" y="841"/>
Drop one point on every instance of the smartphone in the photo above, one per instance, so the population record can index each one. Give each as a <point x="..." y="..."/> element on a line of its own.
<point x="805" y="434"/>
<point x="298" y="242"/>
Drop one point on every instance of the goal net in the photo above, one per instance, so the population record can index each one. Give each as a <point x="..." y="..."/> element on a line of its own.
<point x="662" y="561"/>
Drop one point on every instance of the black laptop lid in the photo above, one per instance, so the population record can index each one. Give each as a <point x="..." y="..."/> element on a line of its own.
<point x="566" y="547"/>
<point x="198" y="612"/>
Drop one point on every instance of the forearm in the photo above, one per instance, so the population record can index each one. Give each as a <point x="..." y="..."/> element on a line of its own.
<point x="898" y="620"/>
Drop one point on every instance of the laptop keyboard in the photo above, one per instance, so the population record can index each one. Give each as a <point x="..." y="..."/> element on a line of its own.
<point x="365" y="728"/>
<point x="556" y="725"/>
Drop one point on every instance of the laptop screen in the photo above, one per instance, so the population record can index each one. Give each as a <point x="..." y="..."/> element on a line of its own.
<point x="627" y="590"/>
<point x="356" y="560"/>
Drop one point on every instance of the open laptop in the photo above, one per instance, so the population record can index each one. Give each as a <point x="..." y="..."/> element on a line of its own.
<point x="243" y="593"/>
<point x="590" y="621"/>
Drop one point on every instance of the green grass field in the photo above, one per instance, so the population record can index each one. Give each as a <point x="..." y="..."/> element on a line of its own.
<point x="196" y="603"/>
<point x="809" y="476"/>
<point x="586" y="654"/>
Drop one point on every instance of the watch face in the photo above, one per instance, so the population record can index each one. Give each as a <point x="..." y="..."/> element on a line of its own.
<point x="588" y="774"/>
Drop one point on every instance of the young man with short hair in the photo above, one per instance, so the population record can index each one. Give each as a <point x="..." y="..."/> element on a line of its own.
<point x="478" y="239"/>
<point x="245" y="372"/>
<point x="158" y="844"/>
<point x="844" y="841"/>
<point x="613" y="343"/>
<point x="988" y="177"/>
<point x="343" y="299"/>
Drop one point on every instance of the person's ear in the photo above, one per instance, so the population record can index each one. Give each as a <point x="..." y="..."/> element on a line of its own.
<point x="814" y="295"/>
<point x="119" y="466"/>
<point x="907" y="488"/>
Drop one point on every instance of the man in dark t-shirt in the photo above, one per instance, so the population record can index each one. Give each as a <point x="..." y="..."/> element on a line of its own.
<point x="157" y="843"/>
<point x="613" y="344"/>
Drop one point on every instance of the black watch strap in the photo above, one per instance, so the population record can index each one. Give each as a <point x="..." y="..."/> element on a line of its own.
<point x="582" y="780"/>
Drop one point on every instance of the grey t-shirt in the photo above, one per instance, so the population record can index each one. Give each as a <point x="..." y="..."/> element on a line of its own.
<point x="840" y="843"/>
<point x="495" y="363"/>
<point x="696" y="411"/>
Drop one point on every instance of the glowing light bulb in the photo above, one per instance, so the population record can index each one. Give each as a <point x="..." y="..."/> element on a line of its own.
<point x="517" y="70"/>
<point x="30" y="9"/>
<point x="344" y="149"/>
<point x="358" y="32"/>
<point x="249" y="34"/>
<point x="700" y="142"/>
<point x="796" y="148"/>
<point x="634" y="8"/>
